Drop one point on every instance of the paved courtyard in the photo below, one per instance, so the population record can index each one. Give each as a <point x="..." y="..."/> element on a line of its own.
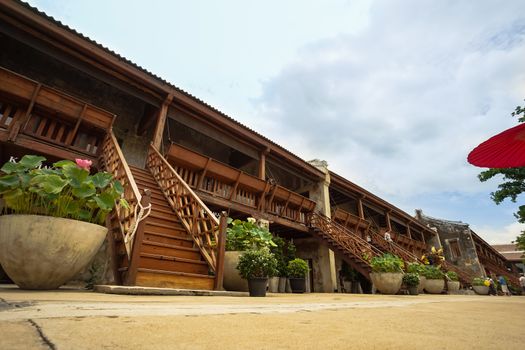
<point x="75" y="319"/>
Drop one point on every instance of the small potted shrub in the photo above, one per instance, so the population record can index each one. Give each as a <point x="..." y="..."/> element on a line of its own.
<point x="435" y="282"/>
<point x="257" y="266"/>
<point x="387" y="273"/>
<point x="411" y="280"/>
<point x="481" y="285"/>
<point x="452" y="282"/>
<point x="242" y="236"/>
<point x="419" y="269"/>
<point x="297" y="270"/>
<point x="52" y="219"/>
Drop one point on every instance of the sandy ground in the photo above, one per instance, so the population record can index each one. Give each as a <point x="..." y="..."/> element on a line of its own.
<point x="68" y="319"/>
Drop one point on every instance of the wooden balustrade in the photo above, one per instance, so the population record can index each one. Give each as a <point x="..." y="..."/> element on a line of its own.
<point x="390" y="247"/>
<point x="348" y="240"/>
<point x="220" y="180"/>
<point x="115" y="163"/>
<point x="500" y="271"/>
<point x="198" y="220"/>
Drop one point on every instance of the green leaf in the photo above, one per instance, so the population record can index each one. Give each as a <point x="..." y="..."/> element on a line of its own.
<point x="31" y="162"/>
<point x="52" y="184"/>
<point x="105" y="201"/>
<point x="118" y="187"/>
<point x="84" y="191"/>
<point x="63" y="163"/>
<point x="76" y="175"/>
<point x="124" y="203"/>
<point x="101" y="180"/>
<point x="10" y="167"/>
<point x="8" y="182"/>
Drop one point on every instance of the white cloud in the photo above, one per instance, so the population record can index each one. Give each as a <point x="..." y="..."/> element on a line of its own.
<point x="496" y="235"/>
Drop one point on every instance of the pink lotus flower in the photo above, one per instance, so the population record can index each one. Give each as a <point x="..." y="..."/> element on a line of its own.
<point x="83" y="163"/>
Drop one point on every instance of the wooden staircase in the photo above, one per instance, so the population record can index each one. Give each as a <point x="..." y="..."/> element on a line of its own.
<point x="168" y="257"/>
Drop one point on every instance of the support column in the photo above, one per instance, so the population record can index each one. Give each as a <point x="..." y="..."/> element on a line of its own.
<point x="161" y="122"/>
<point x="262" y="164"/>
<point x="388" y="223"/>
<point x="360" y="209"/>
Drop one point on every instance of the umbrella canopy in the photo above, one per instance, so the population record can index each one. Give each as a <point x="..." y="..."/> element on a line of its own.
<point x="505" y="150"/>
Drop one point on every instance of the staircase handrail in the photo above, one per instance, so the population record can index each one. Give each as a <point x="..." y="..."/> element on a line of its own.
<point x="344" y="237"/>
<point x="391" y="247"/>
<point x="115" y="163"/>
<point x="198" y="220"/>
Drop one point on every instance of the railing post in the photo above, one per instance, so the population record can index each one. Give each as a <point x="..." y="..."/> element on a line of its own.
<point x="221" y="246"/>
<point x="131" y="276"/>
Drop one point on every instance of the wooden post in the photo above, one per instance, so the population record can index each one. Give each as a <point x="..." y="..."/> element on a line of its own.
<point x="262" y="163"/>
<point x="360" y="209"/>
<point x="388" y="223"/>
<point x="161" y="122"/>
<point x="221" y="246"/>
<point x="131" y="276"/>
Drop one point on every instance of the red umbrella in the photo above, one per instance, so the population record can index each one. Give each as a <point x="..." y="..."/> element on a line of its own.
<point x="505" y="150"/>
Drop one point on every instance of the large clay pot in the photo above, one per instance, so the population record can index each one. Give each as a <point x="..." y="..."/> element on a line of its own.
<point x="42" y="252"/>
<point x="481" y="290"/>
<point x="453" y="287"/>
<point x="387" y="282"/>
<point x="422" y="282"/>
<point x="232" y="280"/>
<point x="434" y="286"/>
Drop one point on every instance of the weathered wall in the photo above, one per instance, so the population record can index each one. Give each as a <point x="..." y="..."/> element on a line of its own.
<point x="309" y="248"/>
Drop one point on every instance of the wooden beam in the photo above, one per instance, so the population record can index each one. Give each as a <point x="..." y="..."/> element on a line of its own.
<point x="161" y="122"/>
<point x="360" y="209"/>
<point x="262" y="163"/>
<point x="221" y="245"/>
<point x="13" y="132"/>
<point x="388" y="223"/>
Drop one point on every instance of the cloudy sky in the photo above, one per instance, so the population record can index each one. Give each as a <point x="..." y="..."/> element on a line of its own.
<point x="392" y="94"/>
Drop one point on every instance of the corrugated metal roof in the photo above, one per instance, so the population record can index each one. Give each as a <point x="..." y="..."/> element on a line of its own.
<point x="144" y="70"/>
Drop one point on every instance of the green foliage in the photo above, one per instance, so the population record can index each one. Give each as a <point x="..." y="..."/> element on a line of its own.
<point x="513" y="183"/>
<point x="480" y="281"/>
<point x="387" y="263"/>
<point x="297" y="268"/>
<point x="64" y="190"/>
<point x="284" y="251"/>
<point x="245" y="235"/>
<point x="433" y="273"/>
<point x="415" y="268"/>
<point x="452" y="276"/>
<point x="411" y="279"/>
<point x="257" y="263"/>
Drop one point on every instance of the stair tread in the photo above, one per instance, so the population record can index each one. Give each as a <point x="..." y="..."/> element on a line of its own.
<point x="173" y="258"/>
<point x="170" y="246"/>
<point x="149" y="232"/>
<point x="198" y="275"/>
<point x="158" y="224"/>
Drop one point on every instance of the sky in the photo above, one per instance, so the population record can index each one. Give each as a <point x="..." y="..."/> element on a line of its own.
<point x="393" y="94"/>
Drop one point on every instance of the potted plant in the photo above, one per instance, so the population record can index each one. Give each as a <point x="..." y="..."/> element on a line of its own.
<point x="278" y="252"/>
<point x="51" y="227"/>
<point x="419" y="269"/>
<point x="452" y="282"/>
<point x="387" y="273"/>
<point x="297" y="270"/>
<point x="481" y="285"/>
<point x="242" y="236"/>
<point x="411" y="280"/>
<point x="435" y="282"/>
<point x="256" y="266"/>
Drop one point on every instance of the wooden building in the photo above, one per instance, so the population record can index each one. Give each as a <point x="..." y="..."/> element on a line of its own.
<point x="63" y="95"/>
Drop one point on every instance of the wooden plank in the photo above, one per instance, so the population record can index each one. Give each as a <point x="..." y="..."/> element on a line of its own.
<point x="150" y="278"/>
<point x="221" y="247"/>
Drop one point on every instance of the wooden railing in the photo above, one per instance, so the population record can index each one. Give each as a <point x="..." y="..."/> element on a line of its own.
<point x="500" y="271"/>
<point x="198" y="220"/>
<point x="223" y="181"/>
<point x="349" y="241"/>
<point x="390" y="247"/>
<point x="115" y="163"/>
<point x="350" y="220"/>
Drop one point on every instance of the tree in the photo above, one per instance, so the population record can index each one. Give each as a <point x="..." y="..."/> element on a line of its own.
<point x="513" y="183"/>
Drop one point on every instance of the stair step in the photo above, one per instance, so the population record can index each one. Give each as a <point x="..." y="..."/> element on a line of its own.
<point x="175" y="240"/>
<point x="178" y="251"/>
<point x="165" y="209"/>
<point x="172" y="263"/>
<point x="169" y="217"/>
<point x="165" y="279"/>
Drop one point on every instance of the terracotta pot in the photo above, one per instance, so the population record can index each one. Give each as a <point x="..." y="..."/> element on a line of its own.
<point x="387" y="282"/>
<point x="481" y="290"/>
<point x="42" y="252"/>
<point x="453" y="287"/>
<point x="422" y="282"/>
<point x="434" y="286"/>
<point x="257" y="286"/>
<point x="232" y="279"/>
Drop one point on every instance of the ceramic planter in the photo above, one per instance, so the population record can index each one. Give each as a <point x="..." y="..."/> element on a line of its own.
<point x="434" y="286"/>
<point x="387" y="282"/>
<point x="453" y="286"/>
<point x="232" y="280"/>
<point x="298" y="285"/>
<point x="42" y="252"/>
<point x="273" y="285"/>
<point x="282" y="284"/>
<point x="481" y="290"/>
<point x="422" y="282"/>
<point x="257" y="286"/>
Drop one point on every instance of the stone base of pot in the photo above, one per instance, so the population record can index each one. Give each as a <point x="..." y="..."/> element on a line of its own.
<point x="232" y="280"/>
<point x="298" y="285"/>
<point x="422" y="282"/>
<point x="387" y="282"/>
<point x="481" y="290"/>
<point x="434" y="286"/>
<point x="273" y="285"/>
<point x="42" y="252"/>
<point x="257" y="286"/>
<point x="453" y="287"/>
<point x="413" y="290"/>
<point x="282" y="284"/>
